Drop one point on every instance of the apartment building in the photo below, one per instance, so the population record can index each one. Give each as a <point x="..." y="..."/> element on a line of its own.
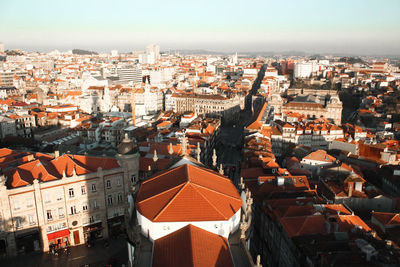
<point x="130" y="73"/>
<point x="313" y="105"/>
<point x="207" y="104"/>
<point x="52" y="201"/>
<point x="24" y="124"/>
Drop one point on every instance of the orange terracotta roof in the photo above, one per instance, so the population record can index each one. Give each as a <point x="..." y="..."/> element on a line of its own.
<point x="191" y="246"/>
<point x="387" y="218"/>
<point x="163" y="124"/>
<point x="257" y="122"/>
<point x="45" y="168"/>
<point x="316" y="224"/>
<point x="320" y="155"/>
<point x="188" y="193"/>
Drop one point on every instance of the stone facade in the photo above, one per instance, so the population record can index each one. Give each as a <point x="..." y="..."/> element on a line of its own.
<point x="70" y="210"/>
<point x="330" y="109"/>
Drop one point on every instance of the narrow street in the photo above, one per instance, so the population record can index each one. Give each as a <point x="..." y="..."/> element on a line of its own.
<point x="229" y="149"/>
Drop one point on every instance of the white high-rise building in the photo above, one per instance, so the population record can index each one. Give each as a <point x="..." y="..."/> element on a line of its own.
<point x="153" y="50"/>
<point x="1" y="48"/>
<point x="303" y="69"/>
<point x="130" y="73"/>
<point x="114" y="53"/>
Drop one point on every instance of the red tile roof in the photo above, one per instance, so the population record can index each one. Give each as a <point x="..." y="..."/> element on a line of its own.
<point x="188" y="193"/>
<point x="47" y="168"/>
<point x="191" y="246"/>
<point x="387" y="218"/>
<point x="320" y="155"/>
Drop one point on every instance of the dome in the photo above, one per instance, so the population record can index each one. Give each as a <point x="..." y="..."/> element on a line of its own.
<point x="127" y="146"/>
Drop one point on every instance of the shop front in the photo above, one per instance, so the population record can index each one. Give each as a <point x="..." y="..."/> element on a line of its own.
<point x="27" y="242"/>
<point x="59" y="239"/>
<point x="116" y="225"/>
<point x="93" y="232"/>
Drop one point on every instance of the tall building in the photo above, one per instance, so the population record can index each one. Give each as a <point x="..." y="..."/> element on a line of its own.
<point x="51" y="201"/>
<point x="153" y="49"/>
<point x="304" y="69"/>
<point x="114" y="53"/>
<point x="6" y="78"/>
<point x="152" y="54"/>
<point x="130" y="73"/>
<point x="1" y="48"/>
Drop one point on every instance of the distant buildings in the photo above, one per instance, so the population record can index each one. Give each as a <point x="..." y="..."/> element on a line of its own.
<point x="303" y="69"/>
<point x="151" y="56"/>
<point x="310" y="103"/>
<point x="212" y="105"/>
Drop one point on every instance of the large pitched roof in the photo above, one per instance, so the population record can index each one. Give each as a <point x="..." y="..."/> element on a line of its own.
<point x="47" y="168"/>
<point x="191" y="246"/>
<point x="188" y="193"/>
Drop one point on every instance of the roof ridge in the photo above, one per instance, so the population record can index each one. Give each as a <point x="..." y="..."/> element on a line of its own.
<point x="77" y="162"/>
<point x="215" y="191"/>
<point x="393" y="217"/>
<point x="187" y="173"/>
<point x="191" y="250"/>
<point x="20" y="180"/>
<point x="156" y="195"/>
<point x="170" y="201"/>
<point x="209" y="202"/>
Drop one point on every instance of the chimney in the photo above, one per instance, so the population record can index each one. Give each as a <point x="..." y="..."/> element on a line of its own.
<point x="350" y="188"/>
<point x="31" y="157"/>
<point x="56" y="154"/>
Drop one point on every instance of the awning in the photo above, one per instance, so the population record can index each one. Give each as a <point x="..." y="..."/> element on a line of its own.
<point x="58" y="234"/>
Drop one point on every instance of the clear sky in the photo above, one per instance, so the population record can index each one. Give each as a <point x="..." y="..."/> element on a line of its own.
<point x="339" y="26"/>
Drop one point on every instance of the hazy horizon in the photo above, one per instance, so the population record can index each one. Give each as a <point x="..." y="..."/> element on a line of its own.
<point x="310" y="26"/>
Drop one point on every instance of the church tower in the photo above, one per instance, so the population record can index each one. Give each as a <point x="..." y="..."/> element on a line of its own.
<point x="128" y="157"/>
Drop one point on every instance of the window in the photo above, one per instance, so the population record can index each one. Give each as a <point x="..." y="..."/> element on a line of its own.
<point x="71" y="192"/>
<point x="91" y="219"/>
<point x="46" y="198"/>
<point x="118" y="182"/>
<point x="85" y="207"/>
<point x="29" y="202"/>
<point x="93" y="204"/>
<point x="73" y="210"/>
<point x="133" y="178"/>
<point x="18" y="222"/>
<point x="60" y="194"/>
<point x="16" y="204"/>
<point x="31" y="219"/>
<point x="119" y="198"/>
<point x="83" y="190"/>
<point x="94" y="188"/>
<point x="49" y="215"/>
<point x="108" y="184"/>
<point x="61" y="212"/>
<point x="109" y="200"/>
